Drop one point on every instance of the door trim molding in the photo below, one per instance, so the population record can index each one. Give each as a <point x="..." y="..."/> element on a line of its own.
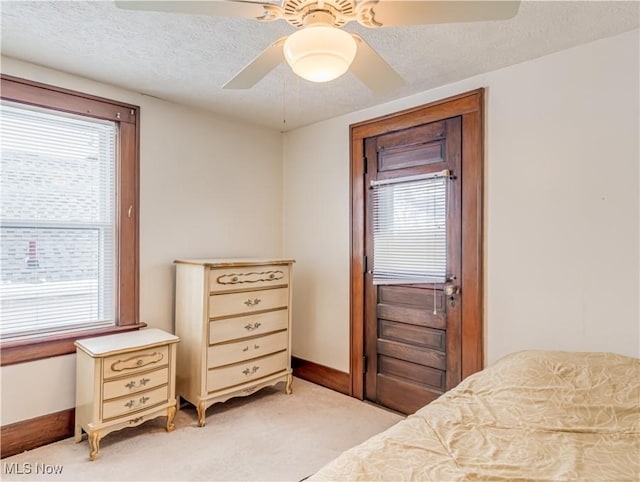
<point x="469" y="106"/>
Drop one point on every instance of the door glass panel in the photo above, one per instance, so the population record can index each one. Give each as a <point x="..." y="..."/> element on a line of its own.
<point x="410" y="230"/>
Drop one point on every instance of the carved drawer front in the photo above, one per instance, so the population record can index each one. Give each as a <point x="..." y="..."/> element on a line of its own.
<point x="228" y="353"/>
<point x="248" y="302"/>
<point x="134" y="384"/>
<point x="245" y="278"/>
<point x="228" y="376"/>
<point x="134" y="403"/>
<point x="234" y="328"/>
<point x="128" y="363"/>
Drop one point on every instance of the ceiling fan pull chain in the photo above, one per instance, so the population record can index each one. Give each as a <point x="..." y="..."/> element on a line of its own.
<point x="297" y="97"/>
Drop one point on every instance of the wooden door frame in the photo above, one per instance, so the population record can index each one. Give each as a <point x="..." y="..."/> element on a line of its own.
<point x="469" y="106"/>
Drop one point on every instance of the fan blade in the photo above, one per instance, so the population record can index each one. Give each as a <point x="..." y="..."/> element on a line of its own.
<point x="258" y="67"/>
<point x="389" y="13"/>
<point x="372" y="70"/>
<point x="217" y="8"/>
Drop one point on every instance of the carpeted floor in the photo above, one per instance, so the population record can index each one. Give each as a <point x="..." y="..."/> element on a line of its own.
<point x="267" y="436"/>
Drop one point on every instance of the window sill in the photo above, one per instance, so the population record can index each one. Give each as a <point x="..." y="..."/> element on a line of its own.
<point x="21" y="351"/>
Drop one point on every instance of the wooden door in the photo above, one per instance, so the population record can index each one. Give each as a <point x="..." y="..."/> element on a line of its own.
<point x="412" y="331"/>
<point x="403" y="355"/>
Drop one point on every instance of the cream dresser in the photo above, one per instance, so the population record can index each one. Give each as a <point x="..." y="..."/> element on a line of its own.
<point x="234" y="321"/>
<point x="122" y="381"/>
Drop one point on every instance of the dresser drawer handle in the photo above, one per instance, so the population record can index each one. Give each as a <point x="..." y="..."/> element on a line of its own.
<point x="136" y="361"/>
<point x="135" y="420"/>
<point x="251" y="371"/>
<point x="252" y="302"/>
<point x="252" y="277"/>
<point x="132" y="384"/>
<point x="255" y="347"/>
<point x="132" y="403"/>
<point x="250" y="327"/>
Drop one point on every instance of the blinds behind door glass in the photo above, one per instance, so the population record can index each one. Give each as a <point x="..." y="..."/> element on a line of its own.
<point x="57" y="230"/>
<point x="409" y="230"/>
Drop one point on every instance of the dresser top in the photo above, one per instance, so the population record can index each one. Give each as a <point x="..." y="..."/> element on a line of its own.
<point x="231" y="262"/>
<point x="133" y="340"/>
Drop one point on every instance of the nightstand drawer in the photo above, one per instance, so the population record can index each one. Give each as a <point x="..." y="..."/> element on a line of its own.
<point x="123" y="380"/>
<point x="252" y="277"/>
<point x="134" y="384"/>
<point x="229" y="353"/>
<point x="134" y="403"/>
<point x="132" y="362"/>
<point x="218" y="378"/>
<point x="247" y="302"/>
<point x="234" y="328"/>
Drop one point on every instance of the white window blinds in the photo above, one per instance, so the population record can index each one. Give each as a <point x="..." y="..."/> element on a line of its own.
<point x="57" y="228"/>
<point x="409" y="229"/>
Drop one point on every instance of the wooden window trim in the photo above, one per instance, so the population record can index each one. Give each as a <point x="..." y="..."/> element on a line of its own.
<point x="128" y="193"/>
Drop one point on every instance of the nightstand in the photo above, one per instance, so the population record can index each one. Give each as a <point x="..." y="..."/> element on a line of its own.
<point x="122" y="381"/>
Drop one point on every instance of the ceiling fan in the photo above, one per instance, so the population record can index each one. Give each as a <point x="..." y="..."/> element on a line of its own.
<point x="319" y="50"/>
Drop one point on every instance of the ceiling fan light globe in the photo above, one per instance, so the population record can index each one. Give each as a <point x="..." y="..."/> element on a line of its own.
<point x="320" y="53"/>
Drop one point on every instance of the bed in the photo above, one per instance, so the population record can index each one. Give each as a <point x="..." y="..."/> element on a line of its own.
<point x="533" y="415"/>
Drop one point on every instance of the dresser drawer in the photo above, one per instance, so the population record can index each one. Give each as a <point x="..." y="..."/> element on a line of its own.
<point x="229" y="353"/>
<point x="134" y="384"/>
<point x="251" y="277"/>
<point x="247" y="302"/>
<point x="218" y="378"/>
<point x="234" y="328"/>
<point x="132" y="362"/>
<point x="134" y="403"/>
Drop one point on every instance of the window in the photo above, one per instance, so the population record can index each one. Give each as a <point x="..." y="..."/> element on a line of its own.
<point x="410" y="230"/>
<point x="68" y="219"/>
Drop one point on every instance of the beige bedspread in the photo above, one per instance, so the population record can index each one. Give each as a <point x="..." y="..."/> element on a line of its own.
<point x="533" y="415"/>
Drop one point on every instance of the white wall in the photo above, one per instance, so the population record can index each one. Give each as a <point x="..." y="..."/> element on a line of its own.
<point x="561" y="208"/>
<point x="209" y="187"/>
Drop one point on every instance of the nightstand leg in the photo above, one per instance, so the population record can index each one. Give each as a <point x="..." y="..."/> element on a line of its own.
<point x="171" y="414"/>
<point x="288" y="390"/>
<point x="201" y="413"/>
<point x="94" y="444"/>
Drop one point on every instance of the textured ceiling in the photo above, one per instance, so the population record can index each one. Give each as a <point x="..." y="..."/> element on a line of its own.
<point x="187" y="59"/>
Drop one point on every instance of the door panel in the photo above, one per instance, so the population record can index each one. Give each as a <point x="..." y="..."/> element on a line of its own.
<point x="413" y="372"/>
<point x="412" y="394"/>
<point x="412" y="332"/>
<point x="403" y="157"/>
<point x="412" y="353"/>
